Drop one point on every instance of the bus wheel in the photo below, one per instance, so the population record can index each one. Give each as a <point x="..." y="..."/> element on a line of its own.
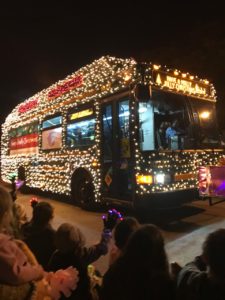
<point x="83" y="190"/>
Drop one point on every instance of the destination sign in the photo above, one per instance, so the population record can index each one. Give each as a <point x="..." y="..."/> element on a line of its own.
<point x="81" y="114"/>
<point x="181" y="85"/>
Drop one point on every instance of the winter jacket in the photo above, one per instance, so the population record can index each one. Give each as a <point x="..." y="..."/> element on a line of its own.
<point x="194" y="283"/>
<point x="15" y="268"/>
<point x="41" y="241"/>
<point x="80" y="260"/>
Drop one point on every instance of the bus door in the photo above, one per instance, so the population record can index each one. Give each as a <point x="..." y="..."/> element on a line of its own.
<point x="116" y="156"/>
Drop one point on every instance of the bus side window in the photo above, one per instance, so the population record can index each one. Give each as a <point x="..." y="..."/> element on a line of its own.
<point x="81" y="128"/>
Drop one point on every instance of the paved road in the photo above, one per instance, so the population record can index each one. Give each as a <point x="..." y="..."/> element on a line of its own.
<point x="184" y="229"/>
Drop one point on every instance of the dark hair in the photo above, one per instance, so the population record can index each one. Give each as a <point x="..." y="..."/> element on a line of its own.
<point x="214" y="250"/>
<point x="142" y="271"/>
<point x="42" y="213"/>
<point x="146" y="249"/>
<point x="123" y="230"/>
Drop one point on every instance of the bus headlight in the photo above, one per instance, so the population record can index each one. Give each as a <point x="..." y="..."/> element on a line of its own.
<point x="159" y="178"/>
<point x="144" y="179"/>
<point x="205" y="115"/>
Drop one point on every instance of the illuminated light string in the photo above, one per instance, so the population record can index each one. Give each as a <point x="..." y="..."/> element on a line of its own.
<point x="181" y="166"/>
<point x="52" y="171"/>
<point x="99" y="79"/>
<point x="182" y="82"/>
<point x="192" y="163"/>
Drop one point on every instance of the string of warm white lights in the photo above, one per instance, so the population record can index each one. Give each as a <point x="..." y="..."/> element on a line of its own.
<point x="183" y="162"/>
<point x="52" y="170"/>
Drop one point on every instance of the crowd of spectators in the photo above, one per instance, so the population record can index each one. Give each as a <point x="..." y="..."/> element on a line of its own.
<point x="38" y="262"/>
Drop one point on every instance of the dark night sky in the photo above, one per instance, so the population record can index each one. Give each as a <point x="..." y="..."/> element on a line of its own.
<point x="43" y="44"/>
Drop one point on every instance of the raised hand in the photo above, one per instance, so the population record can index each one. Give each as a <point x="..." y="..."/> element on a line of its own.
<point x="111" y="218"/>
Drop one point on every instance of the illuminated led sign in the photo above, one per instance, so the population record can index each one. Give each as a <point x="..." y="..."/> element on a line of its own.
<point x="81" y="114"/>
<point x="65" y="87"/>
<point x="23" y="108"/>
<point x="180" y="84"/>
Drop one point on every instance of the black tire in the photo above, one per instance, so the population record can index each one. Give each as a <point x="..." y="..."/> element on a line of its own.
<point x="82" y="189"/>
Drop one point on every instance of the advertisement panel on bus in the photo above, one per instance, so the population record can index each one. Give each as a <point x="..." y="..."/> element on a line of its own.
<point x="24" y="144"/>
<point x="211" y="181"/>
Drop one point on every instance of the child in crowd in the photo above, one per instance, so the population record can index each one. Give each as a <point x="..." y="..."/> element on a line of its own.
<point x="39" y="234"/>
<point x="14" y="267"/>
<point x="71" y="250"/>
<point x="19" y="269"/>
<point x="141" y="272"/>
<point x="123" y="230"/>
<point x="204" y="278"/>
<point x="19" y="213"/>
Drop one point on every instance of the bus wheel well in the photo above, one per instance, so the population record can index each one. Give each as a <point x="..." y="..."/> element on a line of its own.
<point x="82" y="187"/>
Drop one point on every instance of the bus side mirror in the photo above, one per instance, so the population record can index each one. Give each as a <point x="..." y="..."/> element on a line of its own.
<point x="142" y="92"/>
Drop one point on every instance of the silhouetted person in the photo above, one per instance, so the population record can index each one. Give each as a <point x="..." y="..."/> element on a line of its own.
<point x="39" y="234"/>
<point x="142" y="271"/>
<point x="204" y="278"/>
<point x="71" y="251"/>
<point x="174" y="131"/>
<point x="122" y="233"/>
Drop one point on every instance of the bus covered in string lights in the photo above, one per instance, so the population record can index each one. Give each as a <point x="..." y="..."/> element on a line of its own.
<point x="100" y="135"/>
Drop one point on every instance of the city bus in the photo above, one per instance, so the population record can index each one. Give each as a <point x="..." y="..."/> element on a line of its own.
<point x="116" y="131"/>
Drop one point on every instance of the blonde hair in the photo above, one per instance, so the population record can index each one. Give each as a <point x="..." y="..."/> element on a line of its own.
<point x="5" y="203"/>
<point x="69" y="238"/>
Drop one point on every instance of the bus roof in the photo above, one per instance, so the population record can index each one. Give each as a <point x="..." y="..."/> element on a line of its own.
<point x="103" y="77"/>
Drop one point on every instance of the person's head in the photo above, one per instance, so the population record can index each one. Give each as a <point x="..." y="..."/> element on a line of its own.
<point x="69" y="238"/>
<point x="213" y="252"/>
<point x="123" y="230"/>
<point x="145" y="248"/>
<point x="5" y="208"/>
<point x="43" y="213"/>
<point x="164" y="125"/>
<point x="20" y="214"/>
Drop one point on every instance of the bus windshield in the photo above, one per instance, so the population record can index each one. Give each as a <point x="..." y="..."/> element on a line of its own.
<point x="172" y="121"/>
<point x="204" y="116"/>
